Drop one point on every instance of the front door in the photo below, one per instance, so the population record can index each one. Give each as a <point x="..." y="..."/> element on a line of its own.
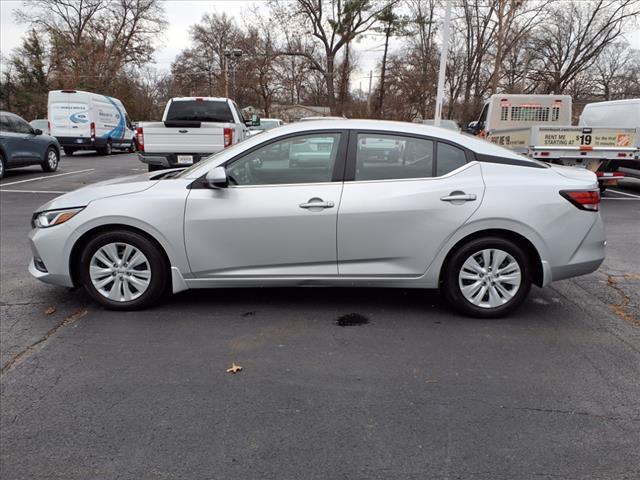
<point x="409" y="195"/>
<point x="277" y="217"/>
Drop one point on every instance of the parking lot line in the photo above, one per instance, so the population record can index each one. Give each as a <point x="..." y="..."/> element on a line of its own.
<point x="4" y="190"/>
<point x="45" y="177"/>
<point x="624" y="193"/>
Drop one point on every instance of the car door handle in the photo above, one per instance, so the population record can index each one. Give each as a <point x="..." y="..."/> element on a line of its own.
<point x="459" y="197"/>
<point x="317" y="203"/>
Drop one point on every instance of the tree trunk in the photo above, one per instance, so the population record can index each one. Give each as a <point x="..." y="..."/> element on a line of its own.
<point x="329" y="76"/>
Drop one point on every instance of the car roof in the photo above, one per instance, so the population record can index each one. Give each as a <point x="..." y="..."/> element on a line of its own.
<point x="483" y="147"/>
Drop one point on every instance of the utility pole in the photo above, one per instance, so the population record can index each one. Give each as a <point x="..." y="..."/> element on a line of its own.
<point x="235" y="53"/>
<point x="443" y="63"/>
<point x="369" y="94"/>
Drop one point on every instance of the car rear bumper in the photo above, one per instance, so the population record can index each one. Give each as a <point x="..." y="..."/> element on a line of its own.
<point x="170" y="160"/>
<point x="81" y="143"/>
<point x="587" y="257"/>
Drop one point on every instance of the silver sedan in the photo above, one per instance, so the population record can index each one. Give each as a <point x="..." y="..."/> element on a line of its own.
<point x="342" y="203"/>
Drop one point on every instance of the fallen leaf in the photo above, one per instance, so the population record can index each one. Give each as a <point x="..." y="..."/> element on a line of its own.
<point x="50" y="310"/>
<point x="234" y="368"/>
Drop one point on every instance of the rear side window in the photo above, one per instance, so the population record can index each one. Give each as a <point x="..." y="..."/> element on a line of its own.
<point x="200" y="111"/>
<point x="392" y="157"/>
<point x="449" y="158"/>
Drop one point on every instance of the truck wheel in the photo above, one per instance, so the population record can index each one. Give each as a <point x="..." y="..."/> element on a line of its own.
<point x="51" y="160"/>
<point x="487" y="277"/>
<point x="133" y="146"/>
<point x="123" y="270"/>
<point x="69" y="151"/>
<point x="108" y="150"/>
<point x="603" y="188"/>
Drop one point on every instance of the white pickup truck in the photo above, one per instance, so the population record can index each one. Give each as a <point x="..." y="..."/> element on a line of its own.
<point x="192" y="128"/>
<point x="539" y="126"/>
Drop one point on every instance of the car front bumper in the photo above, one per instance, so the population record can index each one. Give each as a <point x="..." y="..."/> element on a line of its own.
<point x="50" y="262"/>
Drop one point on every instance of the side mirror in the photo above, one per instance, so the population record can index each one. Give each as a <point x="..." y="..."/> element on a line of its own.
<point x="217" y="178"/>
<point x="37" y="131"/>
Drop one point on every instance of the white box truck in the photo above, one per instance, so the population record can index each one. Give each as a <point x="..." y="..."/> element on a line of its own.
<point x="539" y="126"/>
<point x="89" y="121"/>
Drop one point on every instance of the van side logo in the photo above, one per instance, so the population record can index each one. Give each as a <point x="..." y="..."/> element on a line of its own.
<point x="79" y="117"/>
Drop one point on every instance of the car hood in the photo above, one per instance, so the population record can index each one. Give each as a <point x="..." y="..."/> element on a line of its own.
<point x="109" y="188"/>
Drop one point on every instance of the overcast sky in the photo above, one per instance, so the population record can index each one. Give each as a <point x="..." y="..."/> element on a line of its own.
<point x="181" y="14"/>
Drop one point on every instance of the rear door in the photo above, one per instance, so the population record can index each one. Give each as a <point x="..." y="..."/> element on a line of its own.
<point x="69" y="115"/>
<point x="399" y="207"/>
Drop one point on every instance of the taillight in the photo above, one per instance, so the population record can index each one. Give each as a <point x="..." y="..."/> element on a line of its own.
<point x="228" y="137"/>
<point x="140" y="138"/>
<point x="93" y="131"/>
<point x="583" y="199"/>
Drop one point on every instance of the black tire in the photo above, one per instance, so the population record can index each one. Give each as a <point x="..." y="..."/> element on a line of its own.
<point x="51" y="160"/>
<point x="159" y="269"/>
<point x="603" y="188"/>
<point x="133" y="147"/>
<point x="3" y="166"/>
<point x="451" y="284"/>
<point x="154" y="168"/>
<point x="69" y="151"/>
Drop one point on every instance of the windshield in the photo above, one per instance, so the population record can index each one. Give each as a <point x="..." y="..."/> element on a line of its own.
<point x="267" y="124"/>
<point x="200" y="111"/>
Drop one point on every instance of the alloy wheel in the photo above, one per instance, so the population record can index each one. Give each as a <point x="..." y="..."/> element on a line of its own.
<point x="52" y="159"/>
<point x="490" y="278"/>
<point x="120" y="272"/>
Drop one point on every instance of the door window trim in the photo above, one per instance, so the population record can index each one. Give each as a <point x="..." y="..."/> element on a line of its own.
<point x="350" y="169"/>
<point x="337" y="174"/>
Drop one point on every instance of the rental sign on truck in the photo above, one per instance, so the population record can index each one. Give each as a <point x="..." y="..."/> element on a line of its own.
<point x="539" y="126"/>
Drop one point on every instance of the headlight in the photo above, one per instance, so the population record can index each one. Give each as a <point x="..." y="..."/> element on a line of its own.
<point x="50" y="218"/>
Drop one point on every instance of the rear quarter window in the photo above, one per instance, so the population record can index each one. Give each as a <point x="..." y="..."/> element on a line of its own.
<point x="200" y="111"/>
<point x="449" y="158"/>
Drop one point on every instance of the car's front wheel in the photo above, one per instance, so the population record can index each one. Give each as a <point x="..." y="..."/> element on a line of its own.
<point x="123" y="270"/>
<point x="51" y="160"/>
<point x="487" y="277"/>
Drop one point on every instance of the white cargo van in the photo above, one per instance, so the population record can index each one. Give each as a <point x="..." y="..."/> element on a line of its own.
<point x="619" y="113"/>
<point x="89" y="121"/>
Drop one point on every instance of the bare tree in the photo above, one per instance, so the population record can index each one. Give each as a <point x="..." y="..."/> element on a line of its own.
<point x="574" y="36"/>
<point x="333" y="24"/>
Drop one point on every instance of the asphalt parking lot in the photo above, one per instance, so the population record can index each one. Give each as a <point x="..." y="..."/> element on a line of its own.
<point x="552" y="391"/>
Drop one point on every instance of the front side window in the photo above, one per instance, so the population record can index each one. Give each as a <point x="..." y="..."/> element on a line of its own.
<point x="392" y="157"/>
<point x="449" y="158"/>
<point x="301" y="159"/>
<point x="5" y="124"/>
<point x="19" y="125"/>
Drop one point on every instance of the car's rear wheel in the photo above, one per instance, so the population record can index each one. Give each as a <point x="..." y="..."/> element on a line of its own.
<point x="487" y="277"/>
<point x="133" y="147"/>
<point x="2" y="165"/>
<point x="51" y="160"/>
<point x="123" y="270"/>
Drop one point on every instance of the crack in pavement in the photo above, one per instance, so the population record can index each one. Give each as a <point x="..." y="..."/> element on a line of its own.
<point x="620" y="309"/>
<point x="29" y="349"/>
